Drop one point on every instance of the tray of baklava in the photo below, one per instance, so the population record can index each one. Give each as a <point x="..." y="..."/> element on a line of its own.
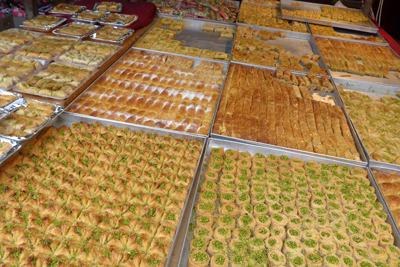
<point x="267" y="207"/>
<point x="292" y="111"/>
<point x="91" y="16"/>
<point x="76" y="30"/>
<point x="43" y="23"/>
<point x="47" y="47"/>
<point x="270" y="47"/>
<point x="89" y="54"/>
<point x="190" y="37"/>
<point x="108" y="6"/>
<point x="136" y="179"/>
<point x="121" y="20"/>
<point x="57" y="81"/>
<point x="353" y="61"/>
<point x="157" y="90"/>
<point x="66" y="9"/>
<point x="14" y="38"/>
<point x="26" y="118"/>
<point x="7" y="99"/>
<point x="112" y="34"/>
<point x="15" y="68"/>
<point x="373" y="112"/>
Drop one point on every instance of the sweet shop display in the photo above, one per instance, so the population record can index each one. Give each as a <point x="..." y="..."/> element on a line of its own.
<point x="273" y="112"/>
<point x="119" y="19"/>
<point x="47" y="47"/>
<point x="76" y="29"/>
<point x="58" y="80"/>
<point x="66" y="9"/>
<point x="87" y="200"/>
<point x="357" y="58"/>
<point x="156" y="90"/>
<point x="14" y="38"/>
<point x="269" y="210"/>
<point x="42" y="21"/>
<point x="251" y="46"/>
<point x="376" y="122"/>
<point x="89" y="15"/>
<point x="266" y="16"/>
<point x="13" y="68"/>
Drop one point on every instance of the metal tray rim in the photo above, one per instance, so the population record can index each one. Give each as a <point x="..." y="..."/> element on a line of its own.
<point x="119" y="7"/>
<point x="46" y="28"/>
<point x="136" y="17"/>
<point x="64" y="13"/>
<point x="76" y="36"/>
<point x="120" y="41"/>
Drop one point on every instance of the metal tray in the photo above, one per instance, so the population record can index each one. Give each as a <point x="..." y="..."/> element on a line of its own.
<point x="75" y="17"/>
<point x="7" y="106"/>
<point x="15" y="88"/>
<point x="117" y="48"/>
<point x="261" y="4"/>
<point x="56" y="31"/>
<point x="119" y="23"/>
<point x="375" y="92"/>
<point x="287" y="4"/>
<point x="65" y="13"/>
<point x="292" y="34"/>
<point x="338" y="101"/>
<point x="299" y="44"/>
<point x="68" y="119"/>
<point x="13" y="49"/>
<point x="58" y="110"/>
<point x="93" y="36"/>
<point x="119" y="7"/>
<point x="47" y="28"/>
<point x="195" y="37"/>
<point x="15" y="146"/>
<point x="351" y="33"/>
<point x="214" y="143"/>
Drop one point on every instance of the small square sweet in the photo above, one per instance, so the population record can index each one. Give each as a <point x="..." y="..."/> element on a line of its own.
<point x="207" y="54"/>
<point x="193" y="51"/>
<point x="166" y="21"/>
<point x="174" y="42"/>
<point x="208" y="28"/>
<point x="182" y="50"/>
<point x="219" y="29"/>
<point x="227" y="35"/>
<point x="221" y="56"/>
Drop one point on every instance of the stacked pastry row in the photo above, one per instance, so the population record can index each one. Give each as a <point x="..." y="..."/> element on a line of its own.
<point x="344" y="56"/>
<point x="256" y="107"/>
<point x="330" y="31"/>
<point x="14" y="38"/>
<point x="91" y="195"/>
<point x="156" y="90"/>
<point x="13" y="68"/>
<point x="265" y="210"/>
<point x="27" y="119"/>
<point x="377" y="124"/>
<point x="251" y="46"/>
<point x="332" y="13"/>
<point x="268" y="17"/>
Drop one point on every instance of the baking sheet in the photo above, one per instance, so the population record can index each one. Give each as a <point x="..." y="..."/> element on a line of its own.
<point x="299" y="5"/>
<point x="3" y="92"/>
<point x="193" y="36"/>
<point x="13" y="49"/>
<point x="15" y="146"/>
<point x="93" y="36"/>
<point x="69" y="118"/>
<point x="299" y="44"/>
<point x="58" y="110"/>
<point x="56" y="31"/>
<point x="214" y="143"/>
<point x="118" y="10"/>
<point x="375" y="92"/>
<point x="75" y="17"/>
<point x="47" y="28"/>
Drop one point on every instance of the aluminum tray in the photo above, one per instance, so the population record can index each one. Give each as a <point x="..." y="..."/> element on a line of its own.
<point x="299" y="44"/>
<point x="47" y="28"/>
<point x="117" y="48"/>
<point x="58" y="110"/>
<point x="214" y="143"/>
<point x="287" y="4"/>
<point x="261" y="4"/>
<point x="75" y="17"/>
<point x="93" y="36"/>
<point x="68" y="119"/>
<point x="21" y="45"/>
<point x="15" y="146"/>
<point x="56" y="31"/>
<point x="353" y="34"/>
<point x="52" y="12"/>
<point x="375" y="92"/>
<point x="119" y="23"/>
<point x="6" y="107"/>
<point x="119" y="7"/>
<point x="15" y="88"/>
<point x="195" y="37"/>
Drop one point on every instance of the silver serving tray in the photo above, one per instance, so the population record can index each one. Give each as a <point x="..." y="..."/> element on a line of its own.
<point x="75" y="17"/>
<point x="46" y="28"/>
<point x="3" y="92"/>
<point x="93" y="36"/>
<point x="65" y="13"/>
<point x="96" y="27"/>
<point x="214" y="143"/>
<point x="375" y="92"/>
<point x="58" y="110"/>
<point x="19" y="46"/>
<point x="15" y="146"/>
<point x="119" y="23"/>
<point x="287" y="4"/>
<point x="15" y="88"/>
<point x="69" y="118"/>
<point x="118" y="10"/>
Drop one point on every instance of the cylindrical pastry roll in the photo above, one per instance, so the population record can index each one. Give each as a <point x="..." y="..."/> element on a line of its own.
<point x="204" y="208"/>
<point x="198" y="258"/>
<point x="278" y="219"/>
<point x="227" y="177"/>
<point x="206" y="233"/>
<point x="272" y="158"/>
<point x="227" y="198"/>
<point x="222" y="233"/>
<point x="292" y="246"/>
<point x="308" y="222"/>
<point x="216" y="159"/>
<point x="214" y="167"/>
<point x="229" y="161"/>
<point x="272" y="199"/>
<point x="377" y="253"/>
<point x="242" y="199"/>
<point x="274" y="243"/>
<point x="371" y="238"/>
<point x="326" y="234"/>
<point x="310" y="245"/>
<point x="313" y="259"/>
<point x="205" y="221"/>
<point x="302" y="202"/>
<point x="347" y="260"/>
<point x="258" y="157"/>
<point x="256" y="243"/>
<point x="238" y="261"/>
<point x="297" y="260"/>
<point x="209" y="185"/>
<point x="262" y="232"/>
<point x="228" y="187"/>
<point x="229" y="169"/>
<point x="263" y="220"/>
<point x="274" y="208"/>
<point x="232" y="154"/>
<point x="216" y="246"/>
<point x="365" y="263"/>
<point x="296" y="162"/>
<point x="271" y="166"/>
<point x="304" y="212"/>
<point x="276" y="258"/>
<point x="260" y="209"/>
<point x="247" y="221"/>
<point x="358" y="240"/>
<point x="278" y="231"/>
<point x="322" y="223"/>
<point x="199" y="243"/>
<point x="219" y="260"/>
<point x="360" y="253"/>
<point x="327" y="247"/>
<point x="294" y="233"/>
<point x="241" y="233"/>
<point x="287" y="200"/>
<point x="310" y="233"/>
<point x="230" y="209"/>
<point x="344" y="249"/>
<point x="242" y="188"/>
<point x="318" y="203"/>
<point x="257" y="165"/>
<point x="331" y="260"/>
<point x="294" y="222"/>
<point x="289" y="210"/>
<point x="341" y="238"/>
<point x="393" y="251"/>
<point x="211" y="176"/>
<point x="217" y="151"/>
<point x="226" y="221"/>
<point x="383" y="227"/>
<point x="245" y="155"/>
